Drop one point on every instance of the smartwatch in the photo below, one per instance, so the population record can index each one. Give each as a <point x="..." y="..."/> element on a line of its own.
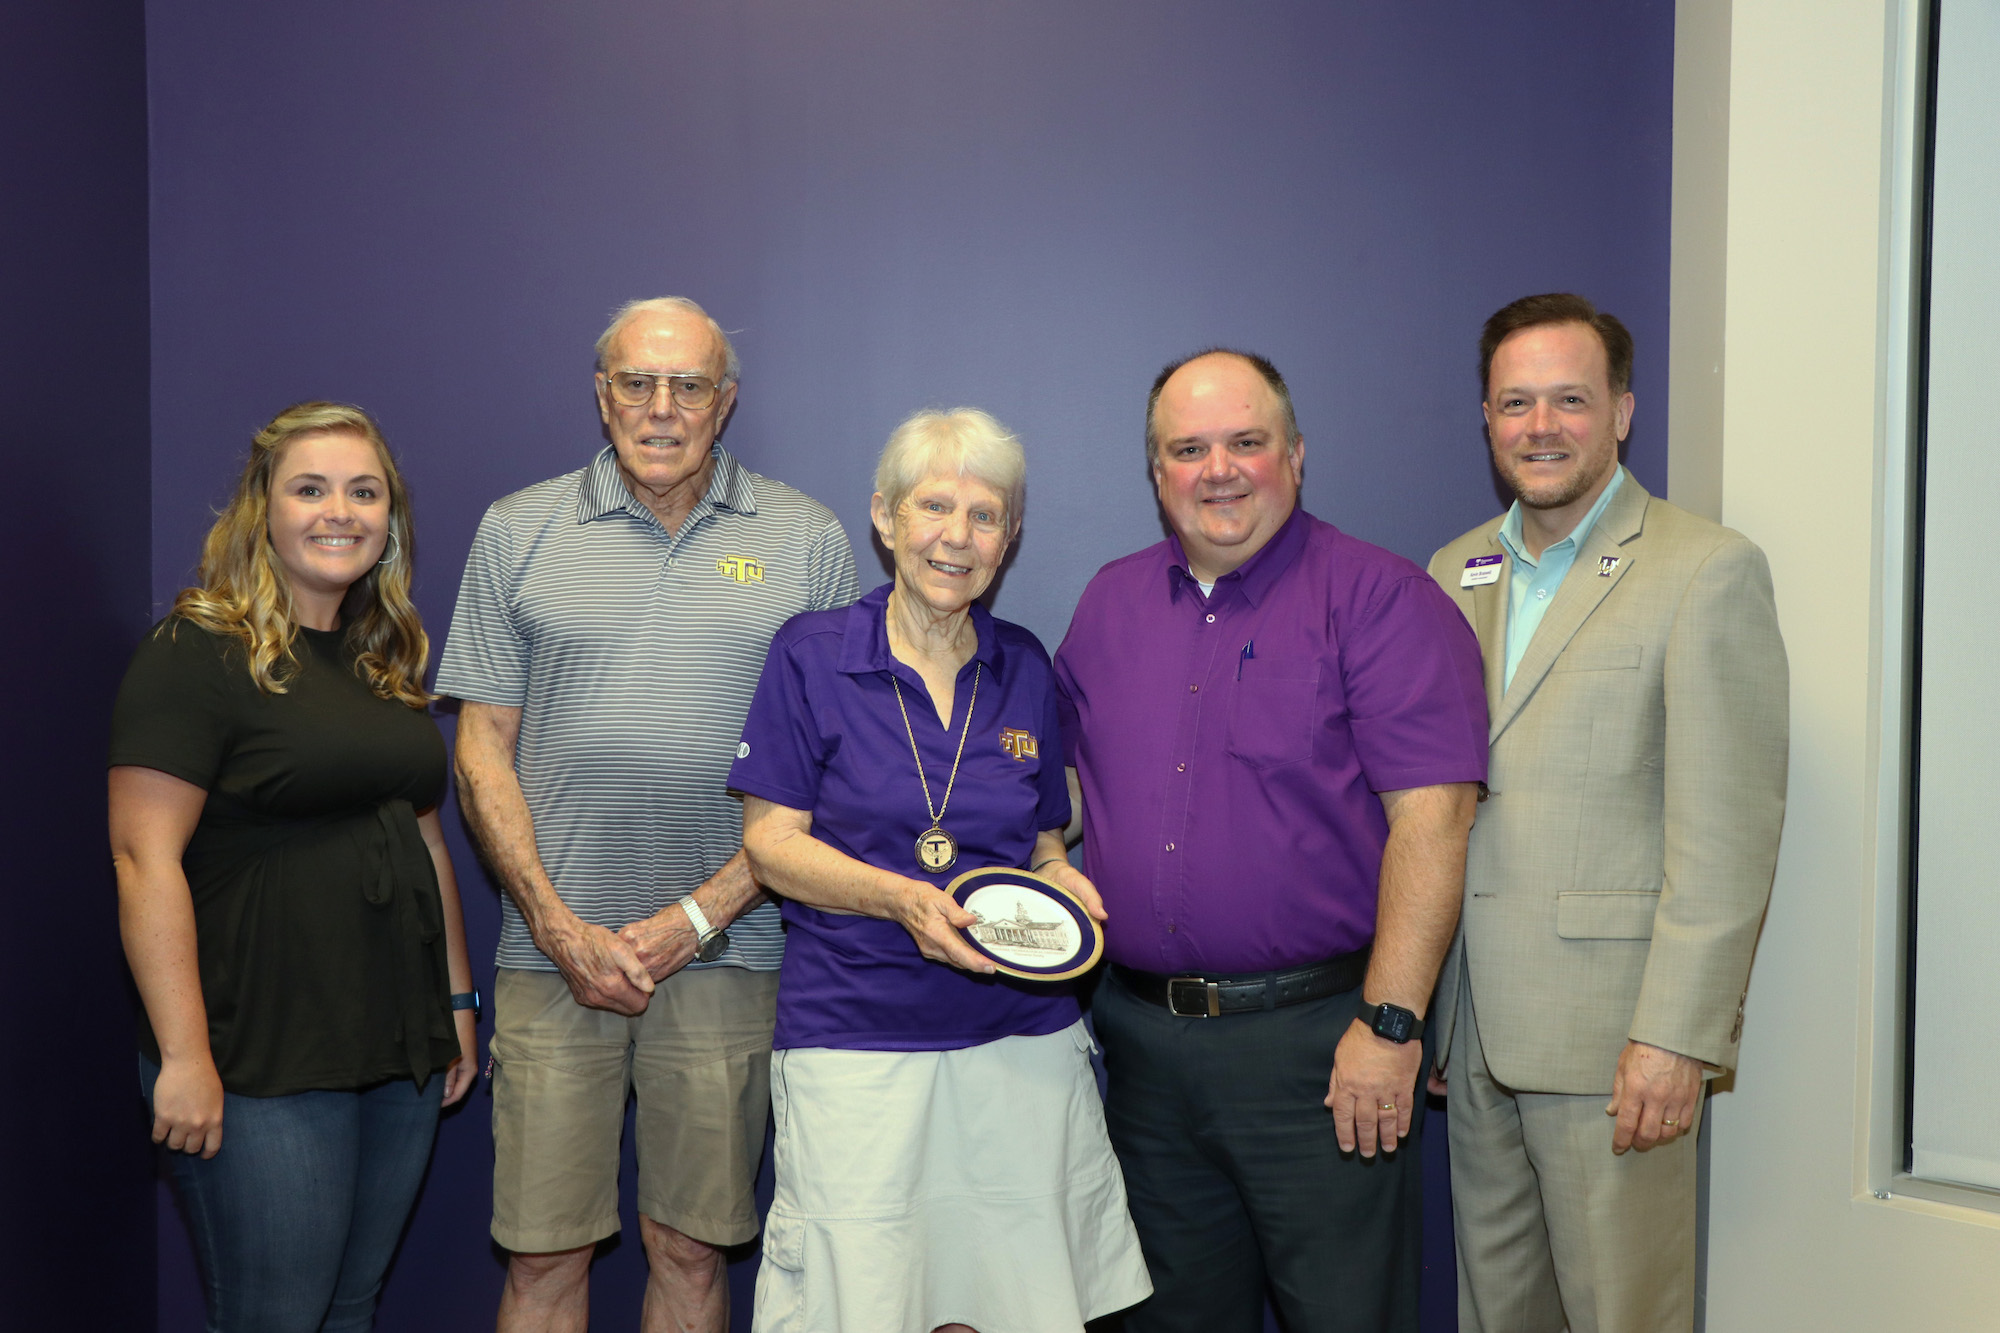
<point x="466" y="999"/>
<point x="709" y="942"/>
<point x="1391" y="1022"/>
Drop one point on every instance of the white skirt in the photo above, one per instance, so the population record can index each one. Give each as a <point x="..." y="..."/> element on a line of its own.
<point x="919" y="1188"/>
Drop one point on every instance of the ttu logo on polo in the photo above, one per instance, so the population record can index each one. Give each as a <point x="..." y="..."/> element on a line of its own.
<point x="741" y="568"/>
<point x="1019" y="744"/>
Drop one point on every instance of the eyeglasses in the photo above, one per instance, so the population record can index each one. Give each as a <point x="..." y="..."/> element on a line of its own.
<point x="636" y="388"/>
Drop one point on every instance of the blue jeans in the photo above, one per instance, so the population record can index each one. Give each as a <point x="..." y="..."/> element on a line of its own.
<point x="295" y="1218"/>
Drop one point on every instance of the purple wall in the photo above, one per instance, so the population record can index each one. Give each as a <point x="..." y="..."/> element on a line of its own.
<point x="429" y="209"/>
<point x="76" y="1230"/>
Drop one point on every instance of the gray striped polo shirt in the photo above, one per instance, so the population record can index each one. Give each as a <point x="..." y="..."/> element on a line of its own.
<point x="633" y="653"/>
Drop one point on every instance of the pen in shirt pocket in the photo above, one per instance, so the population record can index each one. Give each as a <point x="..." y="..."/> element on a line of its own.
<point x="1249" y="651"/>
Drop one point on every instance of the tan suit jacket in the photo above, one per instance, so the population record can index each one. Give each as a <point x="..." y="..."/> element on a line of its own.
<point x="1618" y="873"/>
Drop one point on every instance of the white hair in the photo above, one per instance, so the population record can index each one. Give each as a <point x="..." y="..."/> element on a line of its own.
<point x="732" y="369"/>
<point x="965" y="438"/>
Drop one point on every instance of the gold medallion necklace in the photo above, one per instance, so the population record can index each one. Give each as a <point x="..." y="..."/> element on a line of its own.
<point x="937" y="850"/>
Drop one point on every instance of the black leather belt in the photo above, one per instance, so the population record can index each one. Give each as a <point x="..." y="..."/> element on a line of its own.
<point x="1195" y="996"/>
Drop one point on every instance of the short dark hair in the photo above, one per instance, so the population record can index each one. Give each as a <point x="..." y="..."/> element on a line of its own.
<point x="1261" y="365"/>
<point x="1557" y="308"/>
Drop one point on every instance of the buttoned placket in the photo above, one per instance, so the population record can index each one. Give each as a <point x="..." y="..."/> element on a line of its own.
<point x="696" y="516"/>
<point x="672" y="562"/>
<point x="1206" y="621"/>
<point x="918" y="693"/>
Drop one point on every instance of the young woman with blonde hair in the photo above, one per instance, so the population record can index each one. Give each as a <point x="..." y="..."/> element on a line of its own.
<point x="285" y="896"/>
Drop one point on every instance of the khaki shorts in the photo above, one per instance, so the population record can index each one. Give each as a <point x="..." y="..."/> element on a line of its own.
<point x="699" y="1060"/>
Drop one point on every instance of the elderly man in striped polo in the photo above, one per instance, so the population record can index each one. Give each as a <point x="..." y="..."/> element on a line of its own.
<point x="611" y="628"/>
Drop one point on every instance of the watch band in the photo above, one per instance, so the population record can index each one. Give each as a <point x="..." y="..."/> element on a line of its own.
<point x="465" y="999"/>
<point x="709" y="943"/>
<point x="1391" y="1022"/>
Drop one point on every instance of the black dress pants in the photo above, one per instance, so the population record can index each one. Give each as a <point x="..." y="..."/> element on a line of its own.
<point x="1235" y="1179"/>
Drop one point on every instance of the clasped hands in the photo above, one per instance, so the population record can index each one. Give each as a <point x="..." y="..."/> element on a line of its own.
<point x="618" y="970"/>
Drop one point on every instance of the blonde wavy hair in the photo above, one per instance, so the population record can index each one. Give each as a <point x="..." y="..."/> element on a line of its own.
<point x="244" y="592"/>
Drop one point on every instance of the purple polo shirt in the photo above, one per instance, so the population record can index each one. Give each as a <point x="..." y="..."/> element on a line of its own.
<point x="1231" y="747"/>
<point x="824" y="735"/>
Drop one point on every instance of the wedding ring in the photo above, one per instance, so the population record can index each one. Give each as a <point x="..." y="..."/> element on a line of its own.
<point x="1670" y="1123"/>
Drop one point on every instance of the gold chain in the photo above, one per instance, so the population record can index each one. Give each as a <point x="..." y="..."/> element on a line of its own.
<point x="963" y="732"/>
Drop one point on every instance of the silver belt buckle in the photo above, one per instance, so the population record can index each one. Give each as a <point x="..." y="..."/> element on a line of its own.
<point x="1205" y="997"/>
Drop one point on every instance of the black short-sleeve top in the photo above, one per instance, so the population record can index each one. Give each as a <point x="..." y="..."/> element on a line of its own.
<point x="317" y="918"/>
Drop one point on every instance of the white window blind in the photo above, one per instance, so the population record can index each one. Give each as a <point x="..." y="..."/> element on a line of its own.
<point x="1955" y="1035"/>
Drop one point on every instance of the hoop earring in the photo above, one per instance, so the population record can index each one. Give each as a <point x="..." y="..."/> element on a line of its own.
<point x="392" y="552"/>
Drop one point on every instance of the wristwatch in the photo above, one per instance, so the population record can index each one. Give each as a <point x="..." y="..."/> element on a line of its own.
<point x="1391" y="1022"/>
<point x="709" y="942"/>
<point x="466" y="999"/>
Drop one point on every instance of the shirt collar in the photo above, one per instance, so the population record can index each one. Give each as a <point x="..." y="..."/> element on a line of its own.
<point x="864" y="647"/>
<point x="603" y="490"/>
<point x="1510" y="526"/>
<point x="1254" y="576"/>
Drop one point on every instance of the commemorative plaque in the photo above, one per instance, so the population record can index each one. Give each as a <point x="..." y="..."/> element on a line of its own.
<point x="1030" y="927"/>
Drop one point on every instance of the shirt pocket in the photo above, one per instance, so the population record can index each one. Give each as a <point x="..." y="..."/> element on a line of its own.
<point x="1593" y="915"/>
<point x="1271" y="715"/>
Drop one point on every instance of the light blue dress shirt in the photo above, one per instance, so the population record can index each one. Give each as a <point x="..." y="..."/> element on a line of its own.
<point x="1533" y="583"/>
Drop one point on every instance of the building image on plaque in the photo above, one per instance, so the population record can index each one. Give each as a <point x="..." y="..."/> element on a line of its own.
<point x="1021" y="926"/>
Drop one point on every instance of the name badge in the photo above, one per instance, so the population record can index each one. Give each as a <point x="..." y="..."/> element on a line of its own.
<point x="1480" y="571"/>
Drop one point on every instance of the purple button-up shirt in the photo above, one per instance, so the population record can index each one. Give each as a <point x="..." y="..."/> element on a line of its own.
<point x="1230" y="747"/>
<point x="824" y="734"/>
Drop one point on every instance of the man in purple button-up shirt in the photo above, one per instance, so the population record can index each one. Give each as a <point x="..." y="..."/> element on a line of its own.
<point x="1277" y="733"/>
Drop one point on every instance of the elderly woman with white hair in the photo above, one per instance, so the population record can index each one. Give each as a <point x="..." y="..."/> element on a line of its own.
<point x="941" y="1155"/>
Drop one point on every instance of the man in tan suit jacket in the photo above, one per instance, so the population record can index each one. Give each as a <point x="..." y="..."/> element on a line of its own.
<point x="1617" y="875"/>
